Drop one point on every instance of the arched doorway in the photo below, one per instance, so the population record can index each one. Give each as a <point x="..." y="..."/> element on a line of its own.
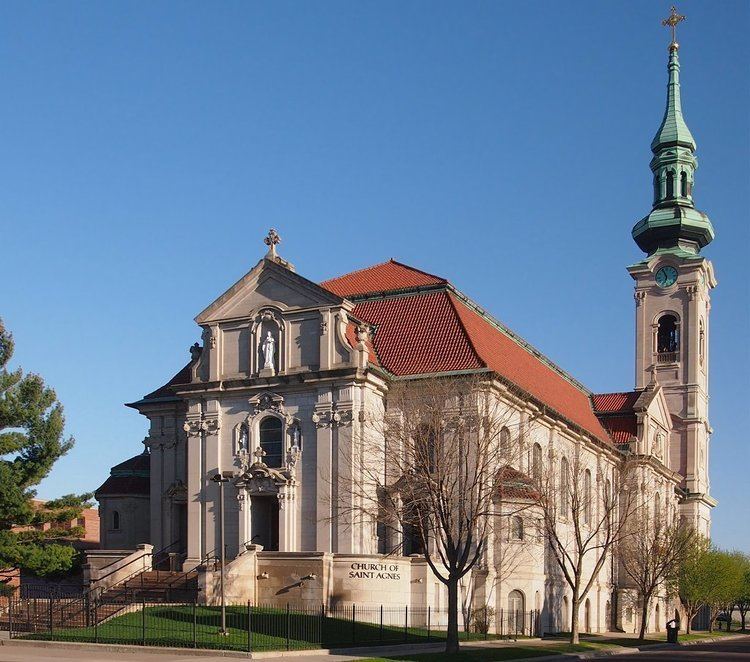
<point x="515" y="612"/>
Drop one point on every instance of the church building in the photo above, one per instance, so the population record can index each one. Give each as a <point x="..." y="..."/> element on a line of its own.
<point x="288" y="370"/>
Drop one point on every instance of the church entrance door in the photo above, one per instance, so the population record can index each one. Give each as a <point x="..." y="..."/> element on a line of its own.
<point x="264" y="522"/>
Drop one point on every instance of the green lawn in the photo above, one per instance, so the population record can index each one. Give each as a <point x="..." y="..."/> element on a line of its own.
<point x="272" y="629"/>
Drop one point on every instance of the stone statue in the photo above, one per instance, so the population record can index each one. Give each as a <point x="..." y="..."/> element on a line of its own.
<point x="268" y="351"/>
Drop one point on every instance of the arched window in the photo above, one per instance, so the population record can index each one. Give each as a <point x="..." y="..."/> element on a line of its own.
<point x="657" y="188"/>
<point x="683" y="184"/>
<point x="670" y="185"/>
<point x="701" y="341"/>
<point x="587" y="497"/>
<point x="608" y="499"/>
<point x="505" y="443"/>
<point x="270" y="441"/>
<point x="536" y="462"/>
<point x="657" y="509"/>
<point x="115" y="520"/>
<point x="668" y="335"/>
<point x="516" y="528"/>
<point x="424" y="449"/>
<point x="564" y="488"/>
<point x="243" y="439"/>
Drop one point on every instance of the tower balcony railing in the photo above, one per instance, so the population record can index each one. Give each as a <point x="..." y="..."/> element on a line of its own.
<point x="667" y="357"/>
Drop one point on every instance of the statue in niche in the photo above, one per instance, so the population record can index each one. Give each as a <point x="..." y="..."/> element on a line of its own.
<point x="243" y="443"/>
<point x="269" y="350"/>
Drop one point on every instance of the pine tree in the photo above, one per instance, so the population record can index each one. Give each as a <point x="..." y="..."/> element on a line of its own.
<point x="31" y="441"/>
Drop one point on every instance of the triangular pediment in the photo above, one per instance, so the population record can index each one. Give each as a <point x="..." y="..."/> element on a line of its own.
<point x="267" y="284"/>
<point x="654" y="403"/>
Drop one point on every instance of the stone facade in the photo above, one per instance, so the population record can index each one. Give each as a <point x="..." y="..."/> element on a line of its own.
<point x="276" y="397"/>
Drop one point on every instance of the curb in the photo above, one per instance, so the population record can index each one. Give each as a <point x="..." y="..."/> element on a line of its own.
<point x="363" y="651"/>
<point x="369" y="651"/>
<point x="625" y="650"/>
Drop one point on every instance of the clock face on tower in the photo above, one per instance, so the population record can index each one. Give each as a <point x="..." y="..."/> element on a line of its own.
<point x="666" y="276"/>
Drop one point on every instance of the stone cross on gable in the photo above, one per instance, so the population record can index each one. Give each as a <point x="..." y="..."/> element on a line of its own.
<point x="672" y="20"/>
<point x="271" y="240"/>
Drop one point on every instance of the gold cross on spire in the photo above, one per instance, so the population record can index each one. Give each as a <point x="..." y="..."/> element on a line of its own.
<point x="672" y="21"/>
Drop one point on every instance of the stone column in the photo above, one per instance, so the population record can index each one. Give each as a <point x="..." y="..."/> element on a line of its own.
<point x="195" y="489"/>
<point x="324" y="484"/>
<point x="157" y="493"/>
<point x="287" y="519"/>
<point x="213" y="464"/>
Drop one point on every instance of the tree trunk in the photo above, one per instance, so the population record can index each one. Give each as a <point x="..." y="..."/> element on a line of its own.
<point x="574" y="603"/>
<point x="742" y="615"/>
<point x="644" y="618"/>
<point x="451" y="638"/>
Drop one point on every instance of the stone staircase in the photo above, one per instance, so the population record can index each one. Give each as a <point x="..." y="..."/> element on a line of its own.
<point x="160" y="586"/>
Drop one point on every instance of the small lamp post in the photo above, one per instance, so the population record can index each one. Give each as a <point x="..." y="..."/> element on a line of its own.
<point x="220" y="479"/>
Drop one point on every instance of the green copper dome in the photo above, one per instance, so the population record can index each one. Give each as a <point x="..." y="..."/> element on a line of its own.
<point x="674" y="224"/>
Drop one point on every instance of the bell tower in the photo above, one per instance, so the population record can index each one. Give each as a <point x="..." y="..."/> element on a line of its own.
<point x="672" y="298"/>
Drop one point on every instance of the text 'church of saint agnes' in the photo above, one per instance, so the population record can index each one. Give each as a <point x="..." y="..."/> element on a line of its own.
<point x="278" y="393"/>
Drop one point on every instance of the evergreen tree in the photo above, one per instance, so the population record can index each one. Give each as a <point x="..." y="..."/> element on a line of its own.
<point x="31" y="441"/>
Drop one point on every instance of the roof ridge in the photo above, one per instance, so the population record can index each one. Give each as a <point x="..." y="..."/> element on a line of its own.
<point x="356" y="271"/>
<point x="421" y="271"/>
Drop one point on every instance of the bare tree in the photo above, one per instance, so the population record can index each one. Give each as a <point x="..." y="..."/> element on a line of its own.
<point x="425" y="470"/>
<point x="585" y="514"/>
<point x="652" y="554"/>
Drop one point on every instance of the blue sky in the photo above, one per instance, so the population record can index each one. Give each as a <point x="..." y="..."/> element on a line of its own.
<point x="148" y="147"/>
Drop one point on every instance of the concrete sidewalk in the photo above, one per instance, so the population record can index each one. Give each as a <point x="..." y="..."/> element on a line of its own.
<point x="19" y="650"/>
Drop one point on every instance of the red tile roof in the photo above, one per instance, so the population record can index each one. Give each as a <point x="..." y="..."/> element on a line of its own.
<point x="389" y="276"/>
<point x="435" y="331"/>
<point x="130" y="485"/>
<point x="516" y="363"/>
<point x="513" y="484"/>
<point x="418" y="334"/>
<point x="615" y="402"/>
<point x="622" y="428"/>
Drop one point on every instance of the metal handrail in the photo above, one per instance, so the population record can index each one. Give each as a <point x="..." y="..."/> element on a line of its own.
<point x="140" y="558"/>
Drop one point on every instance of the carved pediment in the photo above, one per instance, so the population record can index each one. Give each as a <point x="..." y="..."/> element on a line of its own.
<point x="267" y="401"/>
<point x="267" y="284"/>
<point x="261" y="479"/>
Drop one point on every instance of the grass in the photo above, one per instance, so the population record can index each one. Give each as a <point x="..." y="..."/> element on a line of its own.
<point x="272" y="629"/>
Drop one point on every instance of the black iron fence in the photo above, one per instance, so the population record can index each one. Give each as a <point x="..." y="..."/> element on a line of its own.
<point x="250" y="627"/>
